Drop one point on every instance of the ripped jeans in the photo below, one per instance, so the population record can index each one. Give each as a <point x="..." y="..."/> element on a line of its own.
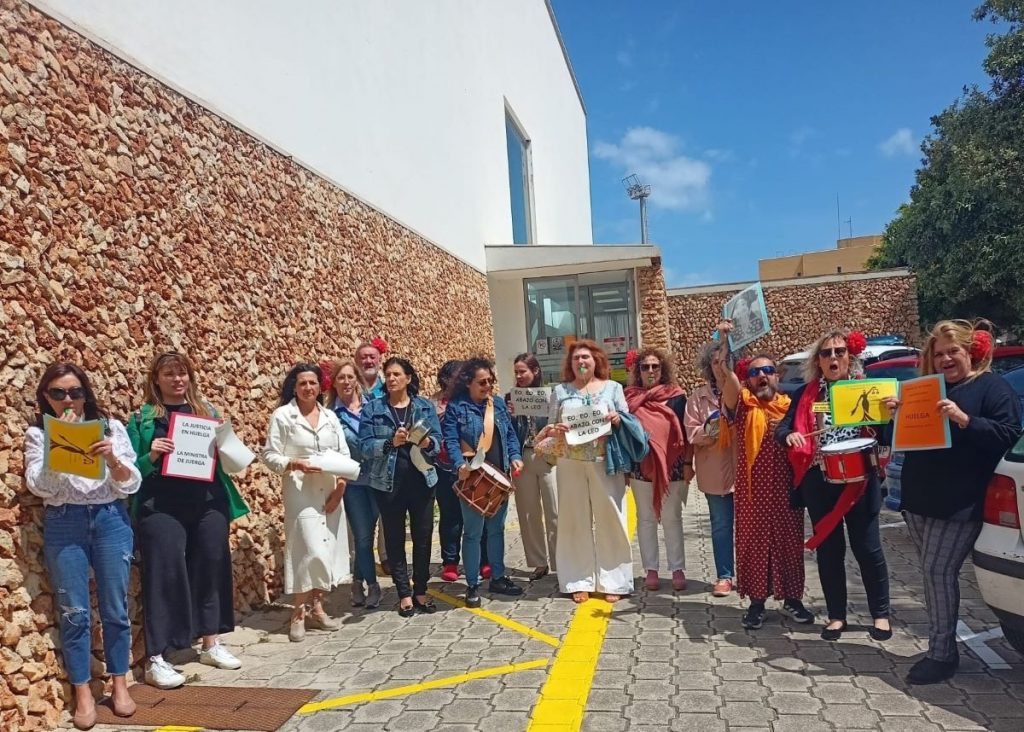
<point x="74" y="538"/>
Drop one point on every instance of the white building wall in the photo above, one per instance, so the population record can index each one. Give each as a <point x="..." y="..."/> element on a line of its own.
<point x="401" y="103"/>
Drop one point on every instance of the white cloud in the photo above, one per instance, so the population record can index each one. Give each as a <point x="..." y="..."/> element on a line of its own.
<point x="900" y="142"/>
<point x="677" y="182"/>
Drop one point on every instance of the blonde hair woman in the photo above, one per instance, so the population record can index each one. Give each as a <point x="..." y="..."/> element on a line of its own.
<point x="182" y="526"/>
<point x="943" y="491"/>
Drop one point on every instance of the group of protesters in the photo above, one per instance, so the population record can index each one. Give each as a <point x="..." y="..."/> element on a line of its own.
<point x="756" y="455"/>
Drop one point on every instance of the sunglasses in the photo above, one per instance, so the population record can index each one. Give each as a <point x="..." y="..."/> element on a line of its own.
<point x="485" y="382"/>
<point x="58" y="395"/>
<point x="755" y="371"/>
<point x="829" y="352"/>
<point x="650" y="367"/>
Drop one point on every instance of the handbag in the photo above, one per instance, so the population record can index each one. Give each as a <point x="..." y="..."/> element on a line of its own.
<point x="487" y="487"/>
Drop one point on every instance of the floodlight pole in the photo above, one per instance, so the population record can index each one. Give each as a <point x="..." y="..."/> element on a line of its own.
<point x="637" y="191"/>
<point x="643" y="220"/>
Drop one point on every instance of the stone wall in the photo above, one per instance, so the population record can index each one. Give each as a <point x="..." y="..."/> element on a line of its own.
<point x="132" y="221"/>
<point x="653" y="307"/>
<point x="798" y="314"/>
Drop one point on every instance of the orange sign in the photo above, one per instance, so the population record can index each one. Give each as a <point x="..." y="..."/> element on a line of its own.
<point x="919" y="425"/>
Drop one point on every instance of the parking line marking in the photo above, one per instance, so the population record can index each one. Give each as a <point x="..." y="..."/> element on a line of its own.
<point x="176" y="728"/>
<point x="563" y="698"/>
<point x="976" y="642"/>
<point x="343" y="701"/>
<point x="500" y="620"/>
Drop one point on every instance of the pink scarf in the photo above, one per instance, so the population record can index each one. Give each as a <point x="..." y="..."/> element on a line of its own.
<point x="665" y="434"/>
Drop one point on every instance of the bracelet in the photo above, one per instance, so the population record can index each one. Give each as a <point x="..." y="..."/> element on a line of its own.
<point x="389" y="445"/>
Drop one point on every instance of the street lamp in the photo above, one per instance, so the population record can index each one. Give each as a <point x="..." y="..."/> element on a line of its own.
<point x="638" y="191"/>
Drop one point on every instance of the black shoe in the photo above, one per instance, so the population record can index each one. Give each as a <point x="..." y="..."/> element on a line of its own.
<point x="754" y="617"/>
<point x="796" y="610"/>
<point x="504" y="586"/>
<point x="879" y="634"/>
<point x="834" y="634"/>
<point x="407" y="612"/>
<point x="473" y="596"/>
<point x="930" y="671"/>
<point x="427" y="608"/>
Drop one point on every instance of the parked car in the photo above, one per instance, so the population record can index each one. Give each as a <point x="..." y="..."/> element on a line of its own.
<point x="902" y="368"/>
<point x="790" y="368"/>
<point x="889" y="339"/>
<point x="999" y="550"/>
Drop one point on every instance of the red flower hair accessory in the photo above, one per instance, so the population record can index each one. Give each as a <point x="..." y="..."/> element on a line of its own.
<point x="742" y="368"/>
<point x="856" y="343"/>
<point x="981" y="345"/>
<point x="630" y="358"/>
<point x="326" y="367"/>
<point x="380" y="344"/>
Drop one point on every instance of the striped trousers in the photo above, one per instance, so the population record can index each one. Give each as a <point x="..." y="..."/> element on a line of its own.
<point x="943" y="547"/>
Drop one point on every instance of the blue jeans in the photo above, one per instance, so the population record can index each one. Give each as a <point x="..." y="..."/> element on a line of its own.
<point x="473" y="527"/>
<point x="721" y="510"/>
<point x="75" y="538"/>
<point x="361" y="509"/>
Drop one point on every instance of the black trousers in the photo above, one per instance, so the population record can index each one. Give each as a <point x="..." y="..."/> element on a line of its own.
<point x="861" y="522"/>
<point x="411" y="497"/>
<point x="187" y="588"/>
<point x="449" y="524"/>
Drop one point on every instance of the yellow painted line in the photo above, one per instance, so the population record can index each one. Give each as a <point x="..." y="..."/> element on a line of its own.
<point x="563" y="698"/>
<point x="343" y="701"/>
<point x="499" y="619"/>
<point x="175" y="728"/>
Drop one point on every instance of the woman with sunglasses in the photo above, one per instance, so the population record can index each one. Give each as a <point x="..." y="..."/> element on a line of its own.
<point x="183" y="526"/>
<point x="661" y="480"/>
<point x="85" y="525"/>
<point x="315" y="537"/>
<point x="834" y="358"/>
<point x="470" y="398"/>
<point x="403" y="476"/>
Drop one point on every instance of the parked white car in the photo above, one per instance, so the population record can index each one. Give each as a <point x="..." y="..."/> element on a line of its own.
<point x="791" y="367"/>
<point x="999" y="551"/>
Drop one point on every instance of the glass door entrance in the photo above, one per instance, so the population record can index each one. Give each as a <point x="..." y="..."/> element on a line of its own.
<point x="599" y="306"/>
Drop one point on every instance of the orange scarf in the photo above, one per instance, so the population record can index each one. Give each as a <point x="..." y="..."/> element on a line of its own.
<point x="759" y="414"/>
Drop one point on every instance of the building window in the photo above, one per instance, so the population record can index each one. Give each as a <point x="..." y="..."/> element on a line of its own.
<point x="520" y="181"/>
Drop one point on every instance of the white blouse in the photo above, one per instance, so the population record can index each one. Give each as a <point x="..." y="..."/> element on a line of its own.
<point x="56" y="489"/>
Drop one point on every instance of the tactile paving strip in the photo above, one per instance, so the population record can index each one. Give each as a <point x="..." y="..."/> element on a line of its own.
<point x="210" y="707"/>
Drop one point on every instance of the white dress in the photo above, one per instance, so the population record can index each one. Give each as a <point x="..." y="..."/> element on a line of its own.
<point x="316" y="543"/>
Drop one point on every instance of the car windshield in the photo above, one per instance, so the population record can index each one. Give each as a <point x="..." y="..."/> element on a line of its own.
<point x="1007" y="363"/>
<point x="886" y="340"/>
<point x="1016" y="453"/>
<point x="894" y="372"/>
<point x="792" y="372"/>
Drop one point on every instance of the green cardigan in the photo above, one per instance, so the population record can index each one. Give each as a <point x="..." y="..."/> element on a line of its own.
<point x="141" y="427"/>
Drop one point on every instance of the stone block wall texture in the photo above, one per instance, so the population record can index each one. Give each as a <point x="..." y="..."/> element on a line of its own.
<point x="798" y="315"/>
<point x="653" y="307"/>
<point x="133" y="221"/>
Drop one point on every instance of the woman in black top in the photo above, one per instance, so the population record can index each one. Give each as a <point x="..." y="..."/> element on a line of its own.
<point x="943" y="491"/>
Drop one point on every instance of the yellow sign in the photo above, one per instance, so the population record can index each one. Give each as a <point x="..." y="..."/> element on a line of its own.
<point x="859" y="402"/>
<point x="619" y="375"/>
<point x="67" y="447"/>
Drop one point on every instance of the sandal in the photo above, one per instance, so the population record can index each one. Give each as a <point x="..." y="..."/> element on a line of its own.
<point x="580" y="597"/>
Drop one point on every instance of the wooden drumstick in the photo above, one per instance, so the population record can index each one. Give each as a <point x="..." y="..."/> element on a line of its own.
<point x="819" y="432"/>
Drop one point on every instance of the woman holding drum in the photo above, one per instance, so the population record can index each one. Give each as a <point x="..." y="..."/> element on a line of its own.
<point x="482" y="446"/>
<point x="808" y="433"/>
<point x="943" y="491"/>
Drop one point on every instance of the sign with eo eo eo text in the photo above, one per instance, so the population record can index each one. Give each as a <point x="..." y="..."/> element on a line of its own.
<point x="195" y="447"/>
<point x="586" y="424"/>
<point x="919" y="424"/>
<point x="532" y="401"/>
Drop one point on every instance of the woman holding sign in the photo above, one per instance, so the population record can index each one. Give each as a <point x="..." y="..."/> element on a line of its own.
<point x="182" y="524"/>
<point x="943" y="490"/>
<point x="593" y="545"/>
<point x="302" y="432"/>
<point x="536" y="496"/>
<point x="85" y="524"/>
<point x="805" y="430"/>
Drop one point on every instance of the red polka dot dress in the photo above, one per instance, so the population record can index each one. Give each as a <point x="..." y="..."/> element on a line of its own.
<point x="769" y="534"/>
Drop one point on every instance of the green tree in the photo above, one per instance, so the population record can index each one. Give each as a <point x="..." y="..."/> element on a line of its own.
<point x="963" y="230"/>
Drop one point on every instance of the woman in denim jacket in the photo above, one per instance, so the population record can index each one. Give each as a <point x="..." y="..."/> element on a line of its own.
<point x="470" y="394"/>
<point x="403" y="477"/>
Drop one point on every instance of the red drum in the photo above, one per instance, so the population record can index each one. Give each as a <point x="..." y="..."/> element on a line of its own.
<point x="850" y="461"/>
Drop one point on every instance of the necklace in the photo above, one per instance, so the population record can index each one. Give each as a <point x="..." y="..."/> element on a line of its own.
<point x="401" y="419"/>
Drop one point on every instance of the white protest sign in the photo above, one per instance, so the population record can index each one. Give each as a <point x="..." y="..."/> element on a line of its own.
<point x="234" y="455"/>
<point x="195" y="448"/>
<point x="586" y="424"/>
<point x="531" y="401"/>
<point x="335" y="463"/>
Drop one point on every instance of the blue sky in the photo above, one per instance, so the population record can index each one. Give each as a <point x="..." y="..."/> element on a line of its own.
<point x="747" y="119"/>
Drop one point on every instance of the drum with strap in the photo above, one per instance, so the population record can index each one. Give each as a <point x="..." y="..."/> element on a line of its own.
<point x="850" y="461"/>
<point x="485" y="489"/>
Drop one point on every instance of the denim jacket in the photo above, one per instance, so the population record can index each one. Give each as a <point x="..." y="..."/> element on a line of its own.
<point x="627" y="445"/>
<point x="352" y="440"/>
<point x="377" y="425"/>
<point x="464" y="422"/>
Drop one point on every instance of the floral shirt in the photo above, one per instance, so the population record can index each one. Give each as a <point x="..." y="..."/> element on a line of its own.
<point x="57" y="489"/>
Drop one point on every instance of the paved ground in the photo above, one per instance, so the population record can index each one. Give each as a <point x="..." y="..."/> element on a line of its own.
<point x="656" y="661"/>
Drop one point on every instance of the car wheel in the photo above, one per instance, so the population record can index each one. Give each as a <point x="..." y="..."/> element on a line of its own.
<point x="1014" y="637"/>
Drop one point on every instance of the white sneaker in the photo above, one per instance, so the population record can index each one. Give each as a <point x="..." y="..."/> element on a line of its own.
<point x="162" y="675"/>
<point x="220" y="657"/>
